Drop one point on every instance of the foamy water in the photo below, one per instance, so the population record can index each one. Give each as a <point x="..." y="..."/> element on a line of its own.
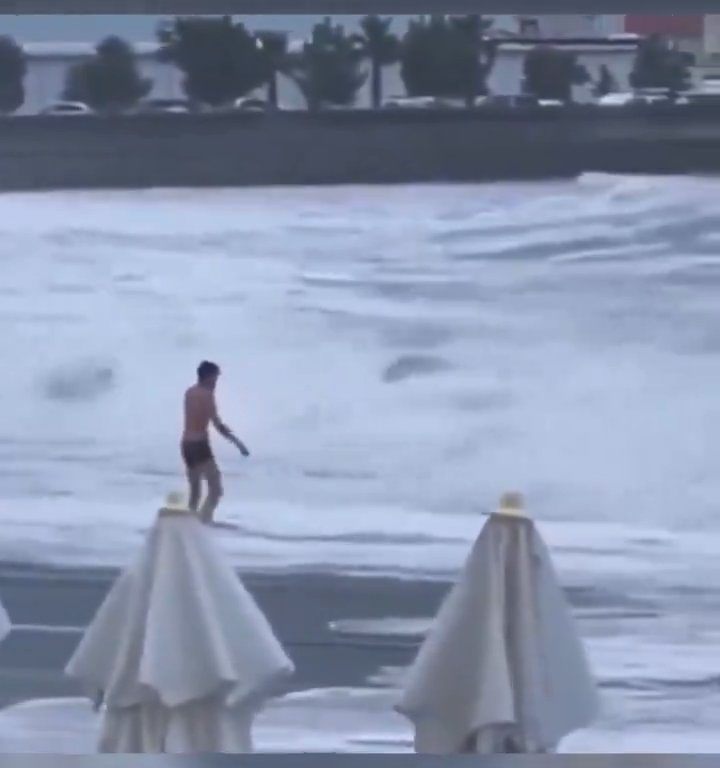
<point x="395" y="358"/>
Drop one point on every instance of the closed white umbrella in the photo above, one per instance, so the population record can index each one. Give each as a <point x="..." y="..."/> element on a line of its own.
<point x="503" y="668"/>
<point x="179" y="652"/>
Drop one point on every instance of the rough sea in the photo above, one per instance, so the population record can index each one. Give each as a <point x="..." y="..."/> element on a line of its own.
<point x="395" y="358"/>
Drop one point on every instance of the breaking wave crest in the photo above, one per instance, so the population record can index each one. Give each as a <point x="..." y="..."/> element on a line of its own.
<point x="559" y="337"/>
<point x="79" y="381"/>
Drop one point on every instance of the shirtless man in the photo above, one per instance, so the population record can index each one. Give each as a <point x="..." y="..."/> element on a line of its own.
<point x="200" y="410"/>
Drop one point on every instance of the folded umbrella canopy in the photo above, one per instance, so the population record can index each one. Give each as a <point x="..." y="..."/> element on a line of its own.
<point x="179" y="652"/>
<point x="502" y="669"/>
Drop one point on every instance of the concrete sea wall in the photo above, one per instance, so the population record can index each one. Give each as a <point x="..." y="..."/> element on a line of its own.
<point x="357" y="146"/>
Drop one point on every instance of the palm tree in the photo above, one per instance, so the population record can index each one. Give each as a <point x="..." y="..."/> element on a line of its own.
<point x="448" y="57"/>
<point x="328" y="69"/>
<point x="220" y="59"/>
<point x="13" y="68"/>
<point x="480" y="50"/>
<point x="658" y="64"/>
<point x="606" y="82"/>
<point x="550" y="73"/>
<point x="382" y="48"/>
<point x="109" y="81"/>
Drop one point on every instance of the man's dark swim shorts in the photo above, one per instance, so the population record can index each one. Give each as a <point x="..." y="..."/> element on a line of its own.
<point x="196" y="452"/>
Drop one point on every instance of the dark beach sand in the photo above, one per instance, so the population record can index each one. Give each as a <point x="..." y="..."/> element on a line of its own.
<point x="300" y="606"/>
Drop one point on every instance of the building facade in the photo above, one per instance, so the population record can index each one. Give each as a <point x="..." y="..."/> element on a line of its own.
<point x="49" y="63"/>
<point x="686" y="31"/>
<point x="569" y="25"/>
<point x="507" y="76"/>
<point x="697" y="34"/>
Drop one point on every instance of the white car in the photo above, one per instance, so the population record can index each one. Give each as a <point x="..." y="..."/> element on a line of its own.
<point x="250" y="104"/>
<point x="419" y="102"/>
<point x="69" y="108"/>
<point x="616" y="99"/>
<point x="645" y="96"/>
<point x="166" y="106"/>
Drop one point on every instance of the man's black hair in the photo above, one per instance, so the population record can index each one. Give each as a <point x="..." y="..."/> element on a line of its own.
<point x="206" y="369"/>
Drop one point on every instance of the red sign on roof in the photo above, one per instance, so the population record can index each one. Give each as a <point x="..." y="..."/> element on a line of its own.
<point x="670" y="25"/>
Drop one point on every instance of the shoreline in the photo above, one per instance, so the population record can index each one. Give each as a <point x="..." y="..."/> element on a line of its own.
<point x="53" y="606"/>
<point x="351" y="638"/>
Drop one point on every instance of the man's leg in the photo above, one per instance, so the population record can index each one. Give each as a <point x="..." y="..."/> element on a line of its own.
<point x="215" y="490"/>
<point x="194" y="476"/>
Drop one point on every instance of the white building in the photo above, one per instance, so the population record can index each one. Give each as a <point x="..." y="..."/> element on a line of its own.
<point x="710" y="61"/>
<point x="570" y="25"/>
<point x="48" y="64"/>
<point x="507" y="75"/>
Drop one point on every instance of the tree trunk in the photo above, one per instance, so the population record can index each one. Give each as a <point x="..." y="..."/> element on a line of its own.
<point x="273" y="90"/>
<point x="313" y="102"/>
<point x="472" y="92"/>
<point x="376" y="84"/>
<point x="490" y="50"/>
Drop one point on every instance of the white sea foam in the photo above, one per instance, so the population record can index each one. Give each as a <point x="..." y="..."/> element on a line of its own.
<point x="340" y="720"/>
<point x="395" y="358"/>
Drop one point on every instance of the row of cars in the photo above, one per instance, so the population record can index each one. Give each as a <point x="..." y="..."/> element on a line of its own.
<point x="660" y="96"/>
<point x="495" y="100"/>
<point x="250" y="104"/>
<point x="641" y="96"/>
<point x="153" y="106"/>
<point x="253" y="104"/>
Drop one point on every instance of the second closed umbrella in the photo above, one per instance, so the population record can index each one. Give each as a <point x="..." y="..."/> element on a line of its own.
<point x="503" y="668"/>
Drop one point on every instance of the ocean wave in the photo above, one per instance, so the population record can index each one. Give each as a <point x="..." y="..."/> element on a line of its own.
<point x="554" y="337"/>
<point x="412" y="366"/>
<point x="78" y="381"/>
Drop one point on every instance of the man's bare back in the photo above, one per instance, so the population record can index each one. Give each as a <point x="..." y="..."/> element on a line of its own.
<point x="199" y="409"/>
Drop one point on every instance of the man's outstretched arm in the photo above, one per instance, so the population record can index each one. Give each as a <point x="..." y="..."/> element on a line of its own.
<point x="224" y="430"/>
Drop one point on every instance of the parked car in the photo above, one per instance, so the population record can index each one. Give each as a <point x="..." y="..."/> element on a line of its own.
<point x="699" y="96"/>
<point x="653" y="95"/>
<point x="406" y="102"/>
<point x="709" y="84"/>
<point x="67" y="108"/>
<point x="507" y="100"/>
<point x="420" y="102"/>
<point x="650" y="96"/>
<point x="166" y="106"/>
<point x="327" y="106"/>
<point x="616" y="99"/>
<point x="250" y="104"/>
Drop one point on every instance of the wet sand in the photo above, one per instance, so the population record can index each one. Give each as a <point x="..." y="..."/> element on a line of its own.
<point x="653" y="652"/>
<point x="52" y="606"/>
